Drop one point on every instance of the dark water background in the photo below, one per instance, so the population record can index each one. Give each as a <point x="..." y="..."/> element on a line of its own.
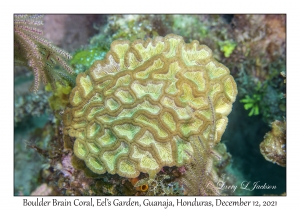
<point x="242" y="138"/>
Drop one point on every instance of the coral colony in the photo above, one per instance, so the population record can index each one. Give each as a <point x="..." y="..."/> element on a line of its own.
<point x="143" y="106"/>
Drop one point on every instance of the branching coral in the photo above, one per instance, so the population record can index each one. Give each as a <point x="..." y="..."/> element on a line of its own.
<point x="139" y="109"/>
<point x="32" y="50"/>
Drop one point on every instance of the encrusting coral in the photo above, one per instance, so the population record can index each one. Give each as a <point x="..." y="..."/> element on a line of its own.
<point x="139" y="109"/>
<point x="273" y="148"/>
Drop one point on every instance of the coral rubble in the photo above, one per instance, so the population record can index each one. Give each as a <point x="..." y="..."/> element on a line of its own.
<point x="139" y="108"/>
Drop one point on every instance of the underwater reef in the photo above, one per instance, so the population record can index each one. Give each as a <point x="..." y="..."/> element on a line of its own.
<point x="149" y="104"/>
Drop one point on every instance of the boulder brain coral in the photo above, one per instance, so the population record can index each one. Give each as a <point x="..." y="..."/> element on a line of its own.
<point x="138" y="109"/>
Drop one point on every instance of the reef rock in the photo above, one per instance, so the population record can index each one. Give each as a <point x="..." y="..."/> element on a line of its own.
<point x="273" y="147"/>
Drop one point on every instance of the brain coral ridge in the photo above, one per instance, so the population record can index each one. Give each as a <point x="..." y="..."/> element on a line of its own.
<point x="138" y="109"/>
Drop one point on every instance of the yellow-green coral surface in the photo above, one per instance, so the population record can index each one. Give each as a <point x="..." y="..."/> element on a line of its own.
<point x="138" y="109"/>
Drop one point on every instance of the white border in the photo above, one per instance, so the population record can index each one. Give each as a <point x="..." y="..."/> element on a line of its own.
<point x="153" y="6"/>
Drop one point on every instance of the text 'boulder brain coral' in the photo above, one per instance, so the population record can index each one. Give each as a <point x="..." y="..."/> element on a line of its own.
<point x="138" y="109"/>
